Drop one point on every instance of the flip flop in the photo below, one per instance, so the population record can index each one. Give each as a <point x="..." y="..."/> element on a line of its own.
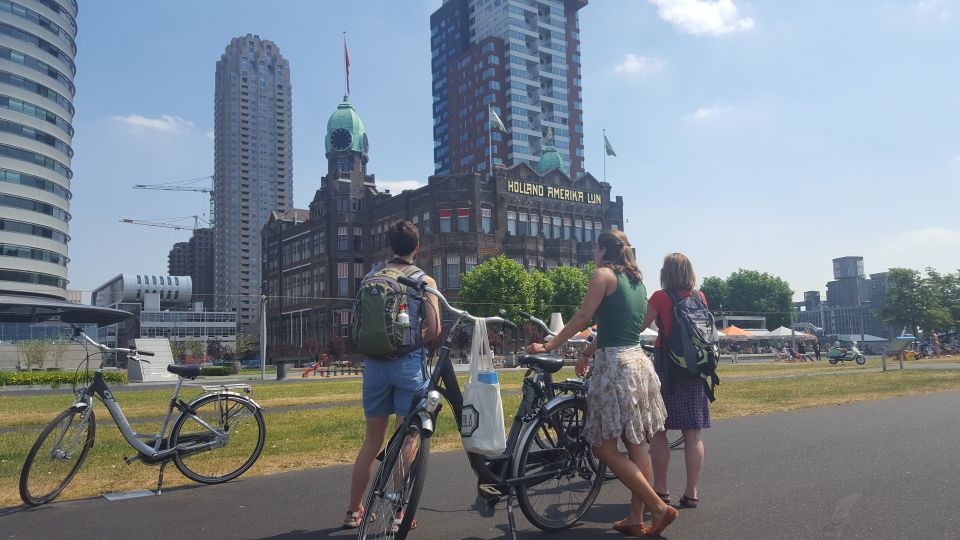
<point x="353" y="519"/>
<point x="688" y="502"/>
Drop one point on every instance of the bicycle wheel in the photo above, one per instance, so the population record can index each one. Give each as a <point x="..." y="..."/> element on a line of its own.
<point x="212" y="456"/>
<point x="57" y="455"/>
<point x="559" y="501"/>
<point x="397" y="486"/>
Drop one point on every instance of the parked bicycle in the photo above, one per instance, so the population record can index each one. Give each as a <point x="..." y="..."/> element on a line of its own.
<point x="546" y="465"/>
<point x="216" y="437"/>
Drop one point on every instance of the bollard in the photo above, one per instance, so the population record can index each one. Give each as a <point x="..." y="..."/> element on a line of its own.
<point x="281" y="371"/>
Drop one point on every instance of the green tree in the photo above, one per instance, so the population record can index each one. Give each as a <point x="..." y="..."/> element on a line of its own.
<point x="58" y="347"/>
<point x="908" y="301"/>
<point x="717" y="292"/>
<point x="177" y="349"/>
<point x="569" y="286"/>
<point x="751" y="291"/>
<point x="242" y="347"/>
<point x="34" y="352"/>
<point x="946" y="291"/>
<point x="196" y="349"/>
<point x="543" y="294"/>
<point x="495" y="284"/>
<point x="215" y="348"/>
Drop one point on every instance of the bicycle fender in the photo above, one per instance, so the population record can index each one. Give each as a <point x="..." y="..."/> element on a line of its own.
<point x="241" y="396"/>
<point x="529" y="427"/>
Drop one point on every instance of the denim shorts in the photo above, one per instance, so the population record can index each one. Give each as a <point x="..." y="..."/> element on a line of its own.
<point x="389" y="385"/>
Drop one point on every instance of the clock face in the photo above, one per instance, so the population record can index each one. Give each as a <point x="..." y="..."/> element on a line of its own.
<point x="340" y="139"/>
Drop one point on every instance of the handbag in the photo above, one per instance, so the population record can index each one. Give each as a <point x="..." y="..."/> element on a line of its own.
<point x="481" y="426"/>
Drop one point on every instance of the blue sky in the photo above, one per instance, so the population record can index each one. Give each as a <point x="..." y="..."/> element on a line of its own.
<point x="750" y="134"/>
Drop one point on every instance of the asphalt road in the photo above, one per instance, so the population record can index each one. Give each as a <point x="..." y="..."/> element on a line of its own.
<point x="873" y="470"/>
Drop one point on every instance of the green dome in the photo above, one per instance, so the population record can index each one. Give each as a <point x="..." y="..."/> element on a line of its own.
<point x="550" y="159"/>
<point x="345" y="131"/>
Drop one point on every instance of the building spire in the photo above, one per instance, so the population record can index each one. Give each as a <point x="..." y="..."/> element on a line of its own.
<point x="346" y="67"/>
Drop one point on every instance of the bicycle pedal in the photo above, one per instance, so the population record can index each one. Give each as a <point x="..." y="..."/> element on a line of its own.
<point x="489" y="491"/>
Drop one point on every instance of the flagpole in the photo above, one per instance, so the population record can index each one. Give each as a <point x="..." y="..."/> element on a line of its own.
<point x="346" y="73"/>
<point x="490" y="139"/>
<point x="604" y="155"/>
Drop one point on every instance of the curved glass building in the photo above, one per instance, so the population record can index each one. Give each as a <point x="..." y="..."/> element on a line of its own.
<point x="37" y="51"/>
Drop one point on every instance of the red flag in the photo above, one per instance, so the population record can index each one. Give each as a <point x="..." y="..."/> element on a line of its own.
<point x="346" y="64"/>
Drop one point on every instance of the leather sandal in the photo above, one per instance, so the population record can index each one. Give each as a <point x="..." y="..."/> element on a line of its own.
<point x="665" y="497"/>
<point x="688" y="502"/>
<point x="657" y="527"/>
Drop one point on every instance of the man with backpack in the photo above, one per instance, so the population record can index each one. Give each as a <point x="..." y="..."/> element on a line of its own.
<point x="391" y="326"/>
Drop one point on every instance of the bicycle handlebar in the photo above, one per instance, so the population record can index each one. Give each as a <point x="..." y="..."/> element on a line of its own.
<point x="422" y="287"/>
<point x="133" y="353"/>
<point x="543" y="325"/>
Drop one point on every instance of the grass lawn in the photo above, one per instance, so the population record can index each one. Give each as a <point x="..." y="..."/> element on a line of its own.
<point x="298" y="439"/>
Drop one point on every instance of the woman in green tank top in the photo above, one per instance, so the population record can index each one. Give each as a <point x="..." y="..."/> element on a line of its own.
<point x="623" y="399"/>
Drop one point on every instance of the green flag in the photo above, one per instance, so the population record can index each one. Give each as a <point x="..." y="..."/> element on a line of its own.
<point x="608" y="147"/>
<point x="495" y="121"/>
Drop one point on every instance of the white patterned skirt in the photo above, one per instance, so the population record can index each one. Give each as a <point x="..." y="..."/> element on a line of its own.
<point x="623" y="398"/>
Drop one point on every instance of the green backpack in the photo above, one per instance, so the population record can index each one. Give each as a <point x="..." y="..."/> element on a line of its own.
<point x="377" y="330"/>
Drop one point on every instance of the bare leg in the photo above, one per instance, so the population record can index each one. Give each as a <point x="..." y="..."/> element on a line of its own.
<point x="693" y="458"/>
<point x="660" y="451"/>
<point x="632" y="477"/>
<point x="363" y="466"/>
<point x="640" y="456"/>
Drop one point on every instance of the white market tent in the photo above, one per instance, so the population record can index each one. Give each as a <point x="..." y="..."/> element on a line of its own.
<point x="785" y="333"/>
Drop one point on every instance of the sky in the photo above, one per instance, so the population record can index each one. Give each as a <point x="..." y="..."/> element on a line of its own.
<point x="765" y="135"/>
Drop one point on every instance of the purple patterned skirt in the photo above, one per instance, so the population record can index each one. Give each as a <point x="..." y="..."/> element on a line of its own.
<point x="687" y="404"/>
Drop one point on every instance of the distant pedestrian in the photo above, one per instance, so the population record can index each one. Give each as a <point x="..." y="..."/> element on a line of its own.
<point x="816" y="349"/>
<point x="734" y="353"/>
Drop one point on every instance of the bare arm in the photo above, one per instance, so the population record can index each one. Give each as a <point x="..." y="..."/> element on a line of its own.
<point x="602" y="282"/>
<point x="649" y="317"/>
<point x="431" y="313"/>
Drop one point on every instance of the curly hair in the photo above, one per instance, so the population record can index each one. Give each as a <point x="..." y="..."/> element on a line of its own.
<point x="618" y="254"/>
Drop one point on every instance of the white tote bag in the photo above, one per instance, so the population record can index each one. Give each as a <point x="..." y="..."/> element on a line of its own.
<point x="481" y="428"/>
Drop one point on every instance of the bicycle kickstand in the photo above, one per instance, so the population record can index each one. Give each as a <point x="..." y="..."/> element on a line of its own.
<point x="513" y="523"/>
<point x="163" y="465"/>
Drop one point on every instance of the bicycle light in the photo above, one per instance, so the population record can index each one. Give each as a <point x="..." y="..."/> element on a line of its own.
<point x="433" y="399"/>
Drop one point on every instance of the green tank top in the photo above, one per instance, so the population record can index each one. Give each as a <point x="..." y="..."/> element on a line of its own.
<point x="620" y="315"/>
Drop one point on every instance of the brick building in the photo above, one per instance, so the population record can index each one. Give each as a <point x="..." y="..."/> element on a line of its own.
<point x="314" y="259"/>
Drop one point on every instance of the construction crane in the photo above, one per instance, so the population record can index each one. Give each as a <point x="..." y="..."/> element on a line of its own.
<point x="185" y="185"/>
<point x="166" y="222"/>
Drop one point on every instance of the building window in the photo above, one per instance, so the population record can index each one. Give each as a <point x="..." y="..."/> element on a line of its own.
<point x="463" y="220"/>
<point x="343" y="279"/>
<point x="343" y="243"/>
<point x="438" y="271"/>
<point x="556" y="227"/>
<point x="614" y="226"/>
<point x="511" y="222"/>
<point x="469" y="263"/>
<point x="588" y="231"/>
<point x="567" y="226"/>
<point x="426" y="223"/>
<point x="578" y="230"/>
<point x="534" y="224"/>
<point x="445" y="218"/>
<point x="357" y="275"/>
<point x="453" y="271"/>
<point x="486" y="219"/>
<point x="597" y="229"/>
<point x="524" y="228"/>
<point x="138" y="280"/>
<point x="343" y="204"/>
<point x="357" y="239"/>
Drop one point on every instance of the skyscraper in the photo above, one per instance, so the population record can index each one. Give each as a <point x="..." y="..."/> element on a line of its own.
<point x="195" y="259"/>
<point x="520" y="57"/>
<point x="253" y="168"/>
<point x="37" y="51"/>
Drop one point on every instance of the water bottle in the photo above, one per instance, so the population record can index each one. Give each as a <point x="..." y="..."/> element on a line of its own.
<point x="403" y="319"/>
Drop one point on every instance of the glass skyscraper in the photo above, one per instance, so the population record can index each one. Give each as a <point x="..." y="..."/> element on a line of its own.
<point x="253" y="168"/>
<point x="37" y="51"/>
<point x="520" y="57"/>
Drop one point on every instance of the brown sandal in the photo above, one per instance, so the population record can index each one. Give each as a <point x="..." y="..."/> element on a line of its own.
<point x="688" y="502"/>
<point x="635" y="529"/>
<point x="658" y="527"/>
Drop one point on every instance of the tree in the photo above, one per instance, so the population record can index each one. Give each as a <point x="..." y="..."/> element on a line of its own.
<point x="58" y="347"/>
<point x="196" y="349"/>
<point x="907" y="302"/>
<point x="569" y="286"/>
<point x="717" y="291"/>
<point x="751" y="291"/>
<point x="946" y="293"/>
<point x="495" y="284"/>
<point x="34" y="352"/>
<point x="177" y="349"/>
<point x="338" y="346"/>
<point x="215" y="348"/>
<point x="242" y="347"/>
<point x="543" y="294"/>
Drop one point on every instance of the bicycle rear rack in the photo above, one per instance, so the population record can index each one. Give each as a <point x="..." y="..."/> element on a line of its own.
<point x="221" y="388"/>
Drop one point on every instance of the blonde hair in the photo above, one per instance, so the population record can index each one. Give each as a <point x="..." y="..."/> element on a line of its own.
<point x="677" y="273"/>
<point x="618" y="254"/>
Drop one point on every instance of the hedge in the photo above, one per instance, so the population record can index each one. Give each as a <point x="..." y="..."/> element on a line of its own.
<point x="216" y="371"/>
<point x="57" y="378"/>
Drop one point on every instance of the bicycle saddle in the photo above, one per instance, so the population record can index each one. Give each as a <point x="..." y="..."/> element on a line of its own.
<point x="187" y="371"/>
<point x="549" y="364"/>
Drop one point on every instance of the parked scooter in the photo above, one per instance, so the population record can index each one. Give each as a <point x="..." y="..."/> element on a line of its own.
<point x="836" y="354"/>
